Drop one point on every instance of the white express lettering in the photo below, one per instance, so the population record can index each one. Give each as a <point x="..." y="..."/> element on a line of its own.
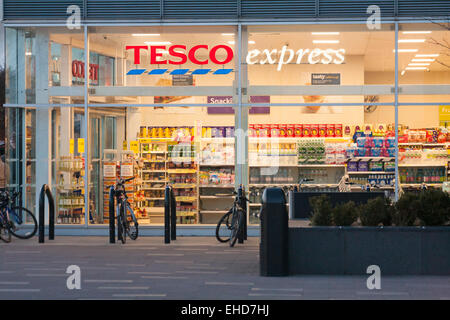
<point x="286" y="56"/>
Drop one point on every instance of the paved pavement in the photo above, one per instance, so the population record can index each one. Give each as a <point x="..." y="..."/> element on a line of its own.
<point x="189" y="268"/>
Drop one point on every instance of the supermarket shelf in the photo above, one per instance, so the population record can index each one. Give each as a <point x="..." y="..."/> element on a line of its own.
<point x="422" y="165"/>
<point x="153" y="188"/>
<point x="372" y="159"/>
<point x="321" y="165"/>
<point x="216" y="186"/>
<point x="154" y="161"/>
<point x="184" y="185"/>
<point x="370" y="172"/>
<point x="150" y="199"/>
<point x="213" y="211"/>
<point x="181" y="171"/>
<point x="217" y="165"/>
<point x="254" y="204"/>
<point x="154" y="152"/>
<point x="157" y="171"/>
<point x="418" y="185"/>
<point x="154" y="181"/>
<point x="218" y="140"/>
<point x="185" y="199"/>
<point x="423" y="144"/>
<point x="273" y="165"/>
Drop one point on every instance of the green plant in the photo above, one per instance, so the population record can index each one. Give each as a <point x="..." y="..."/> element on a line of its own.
<point x="405" y="213"/>
<point x="321" y="211"/>
<point x="345" y="214"/>
<point x="376" y="212"/>
<point x="434" y="207"/>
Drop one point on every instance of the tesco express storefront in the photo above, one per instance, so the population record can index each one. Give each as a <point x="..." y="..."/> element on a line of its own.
<point x="86" y="106"/>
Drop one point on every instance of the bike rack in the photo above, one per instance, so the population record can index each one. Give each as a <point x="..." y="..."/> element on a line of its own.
<point x="112" y="216"/>
<point x="45" y="190"/>
<point x="170" y="215"/>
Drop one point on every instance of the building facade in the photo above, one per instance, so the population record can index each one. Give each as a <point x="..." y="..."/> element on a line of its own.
<point x="208" y="95"/>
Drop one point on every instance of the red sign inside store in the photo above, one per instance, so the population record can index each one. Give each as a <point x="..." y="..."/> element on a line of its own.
<point x="78" y="70"/>
<point x="181" y="55"/>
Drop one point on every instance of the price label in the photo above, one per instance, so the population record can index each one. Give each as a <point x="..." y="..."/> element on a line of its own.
<point x="71" y="146"/>
<point x="134" y="146"/>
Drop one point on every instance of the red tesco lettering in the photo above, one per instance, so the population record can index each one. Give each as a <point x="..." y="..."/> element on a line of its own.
<point x="179" y="53"/>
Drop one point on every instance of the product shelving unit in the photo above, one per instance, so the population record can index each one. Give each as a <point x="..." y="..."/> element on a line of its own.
<point x="70" y="186"/>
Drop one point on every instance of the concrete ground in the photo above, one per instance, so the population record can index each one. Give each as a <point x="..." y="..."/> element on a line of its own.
<point x="189" y="268"/>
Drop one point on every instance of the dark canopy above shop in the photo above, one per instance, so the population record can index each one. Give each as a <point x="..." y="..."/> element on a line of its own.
<point x="157" y="10"/>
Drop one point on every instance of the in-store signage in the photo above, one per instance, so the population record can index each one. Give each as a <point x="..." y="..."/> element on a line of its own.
<point x="230" y="110"/>
<point x="301" y="56"/>
<point x="78" y="70"/>
<point x="325" y="78"/>
<point x="178" y="55"/>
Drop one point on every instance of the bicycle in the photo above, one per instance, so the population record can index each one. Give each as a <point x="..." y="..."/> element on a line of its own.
<point x="124" y="211"/>
<point x="15" y="220"/>
<point x="233" y="220"/>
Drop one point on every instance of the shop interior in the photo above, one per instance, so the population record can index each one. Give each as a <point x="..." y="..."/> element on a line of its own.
<point x="325" y="112"/>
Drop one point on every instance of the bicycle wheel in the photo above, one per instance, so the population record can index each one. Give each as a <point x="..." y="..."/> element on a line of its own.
<point x="237" y="221"/>
<point x="223" y="227"/>
<point x="132" y="228"/>
<point x="23" y="223"/>
<point x="5" y="235"/>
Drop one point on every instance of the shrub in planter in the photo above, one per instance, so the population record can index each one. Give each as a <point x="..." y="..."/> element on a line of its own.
<point x="376" y="212"/>
<point x="405" y="213"/>
<point x="345" y="214"/>
<point x="434" y="207"/>
<point x="321" y="211"/>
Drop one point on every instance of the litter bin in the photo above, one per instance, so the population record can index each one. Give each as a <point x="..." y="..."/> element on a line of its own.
<point x="273" y="249"/>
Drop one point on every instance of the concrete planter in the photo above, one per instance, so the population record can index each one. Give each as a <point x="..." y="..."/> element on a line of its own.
<point x="350" y="250"/>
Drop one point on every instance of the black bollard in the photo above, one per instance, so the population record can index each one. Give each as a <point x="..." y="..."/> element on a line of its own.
<point x="167" y="202"/>
<point x="45" y="191"/>
<point x="112" y="216"/>
<point x="173" y="216"/>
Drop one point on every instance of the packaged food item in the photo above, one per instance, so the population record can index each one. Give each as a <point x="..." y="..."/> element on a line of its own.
<point x="352" y="166"/>
<point x="322" y="130"/>
<point x="376" y="152"/>
<point x="347" y="131"/>
<point x="290" y="130"/>
<point x="265" y="131"/>
<point x="331" y="130"/>
<point x="377" y="142"/>
<point x="314" y="130"/>
<point x="282" y="130"/>
<point x="363" y="166"/>
<point x="338" y="130"/>
<point x="251" y="130"/>
<point x="306" y="130"/>
<point x="257" y="128"/>
<point x="298" y="130"/>
<point x="389" y="142"/>
<point x="274" y="130"/>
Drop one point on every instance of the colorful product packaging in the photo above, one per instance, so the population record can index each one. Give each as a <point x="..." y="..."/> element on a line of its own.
<point x="363" y="166"/>
<point x="306" y="130"/>
<point x="290" y="132"/>
<point x="298" y="131"/>
<point x="347" y="131"/>
<point x="265" y="131"/>
<point x="352" y="166"/>
<point x="283" y="130"/>
<point x="274" y="130"/>
<point x="322" y="130"/>
<point x="338" y="130"/>
<point x="330" y="130"/>
<point x="314" y="130"/>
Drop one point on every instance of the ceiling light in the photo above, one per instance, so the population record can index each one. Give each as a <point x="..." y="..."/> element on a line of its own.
<point x="325" y="33"/>
<point x="416" y="68"/>
<point x="422" y="60"/>
<point x="411" y="40"/>
<point x="325" y="41"/>
<point x="28" y="53"/>
<point x="406" y="50"/>
<point x="228" y="34"/>
<point x="231" y="42"/>
<point x="416" y="32"/>
<point x="251" y="42"/>
<point x="418" y="64"/>
<point x="427" y="55"/>
<point x="403" y="72"/>
<point x="145" y="34"/>
<point x="157" y="43"/>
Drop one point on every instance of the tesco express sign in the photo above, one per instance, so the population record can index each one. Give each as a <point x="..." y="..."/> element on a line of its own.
<point x="179" y="54"/>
